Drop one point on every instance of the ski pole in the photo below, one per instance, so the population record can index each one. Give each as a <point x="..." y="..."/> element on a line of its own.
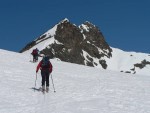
<point x="53" y="83"/>
<point x="35" y="79"/>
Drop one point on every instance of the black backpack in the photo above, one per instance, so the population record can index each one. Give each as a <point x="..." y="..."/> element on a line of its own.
<point x="45" y="62"/>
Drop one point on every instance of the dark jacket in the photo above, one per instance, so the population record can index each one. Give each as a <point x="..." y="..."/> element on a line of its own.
<point x="42" y="68"/>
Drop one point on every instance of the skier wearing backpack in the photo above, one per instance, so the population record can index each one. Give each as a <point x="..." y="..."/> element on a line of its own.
<point x="35" y="54"/>
<point x="46" y="68"/>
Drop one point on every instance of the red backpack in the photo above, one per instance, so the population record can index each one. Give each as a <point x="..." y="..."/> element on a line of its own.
<point x="34" y="52"/>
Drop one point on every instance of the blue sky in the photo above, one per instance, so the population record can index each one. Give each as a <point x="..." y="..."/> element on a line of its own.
<point x="125" y="24"/>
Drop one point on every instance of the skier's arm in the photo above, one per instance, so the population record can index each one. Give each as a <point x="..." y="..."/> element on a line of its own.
<point x="50" y="68"/>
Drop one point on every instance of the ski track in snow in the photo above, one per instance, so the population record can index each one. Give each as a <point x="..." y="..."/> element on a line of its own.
<point x="79" y="89"/>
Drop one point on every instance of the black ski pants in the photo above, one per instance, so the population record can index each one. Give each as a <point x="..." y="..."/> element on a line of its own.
<point x="35" y="57"/>
<point x="45" y="77"/>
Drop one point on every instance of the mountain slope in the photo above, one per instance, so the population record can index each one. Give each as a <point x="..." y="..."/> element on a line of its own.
<point x="79" y="89"/>
<point x="85" y="45"/>
<point x="75" y="44"/>
<point x="129" y="62"/>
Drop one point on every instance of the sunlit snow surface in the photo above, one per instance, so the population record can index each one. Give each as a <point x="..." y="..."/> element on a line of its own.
<point x="79" y="89"/>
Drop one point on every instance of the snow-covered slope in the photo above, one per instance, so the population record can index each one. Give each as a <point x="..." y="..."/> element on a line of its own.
<point x="46" y="39"/>
<point x="71" y="43"/>
<point x="79" y="89"/>
<point x="91" y="51"/>
<point x="120" y="60"/>
<point x="124" y="61"/>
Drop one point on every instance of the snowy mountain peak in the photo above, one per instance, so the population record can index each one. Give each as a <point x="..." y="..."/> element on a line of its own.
<point x="74" y="44"/>
<point x="64" y="20"/>
<point x="86" y="45"/>
<point x="88" y="23"/>
<point x="87" y="26"/>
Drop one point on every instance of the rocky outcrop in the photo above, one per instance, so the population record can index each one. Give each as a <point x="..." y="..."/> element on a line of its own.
<point x="142" y="64"/>
<point x="81" y="45"/>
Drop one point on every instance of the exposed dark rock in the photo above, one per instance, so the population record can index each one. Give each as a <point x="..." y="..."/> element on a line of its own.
<point x="142" y="64"/>
<point x="133" y="69"/>
<point x="94" y="39"/>
<point x="89" y="58"/>
<point x="28" y="46"/>
<point x="145" y="62"/>
<point x="127" y="71"/>
<point x="95" y="63"/>
<point x="139" y="65"/>
<point x="70" y="41"/>
<point x="103" y="63"/>
<point x="89" y="63"/>
<point x="134" y="72"/>
<point x="35" y="42"/>
<point x="42" y="37"/>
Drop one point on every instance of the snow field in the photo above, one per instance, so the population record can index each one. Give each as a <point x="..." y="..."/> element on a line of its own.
<point x="79" y="89"/>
